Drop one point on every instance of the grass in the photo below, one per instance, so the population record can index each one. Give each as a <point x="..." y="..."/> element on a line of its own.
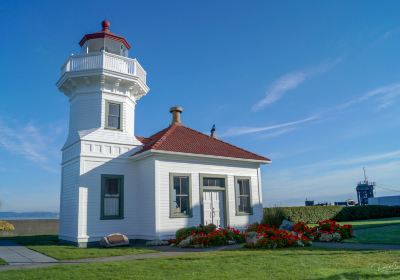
<point x="375" y="235"/>
<point x="2" y="262"/>
<point x="304" y="263"/>
<point x="48" y="245"/>
<point x="362" y="224"/>
<point x="373" y="223"/>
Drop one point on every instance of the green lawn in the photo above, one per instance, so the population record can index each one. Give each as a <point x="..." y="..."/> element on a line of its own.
<point x="2" y="262"/>
<point x="48" y="245"/>
<point x="373" y="223"/>
<point x="382" y="235"/>
<point x="361" y="224"/>
<point x="243" y="264"/>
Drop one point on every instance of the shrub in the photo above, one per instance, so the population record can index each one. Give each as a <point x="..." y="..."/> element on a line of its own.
<point x="266" y="236"/>
<point x="273" y="216"/>
<point x="183" y="233"/>
<point x="326" y="230"/>
<point x="209" y="235"/>
<point x="6" y="226"/>
<point x="270" y="237"/>
<point x="313" y="214"/>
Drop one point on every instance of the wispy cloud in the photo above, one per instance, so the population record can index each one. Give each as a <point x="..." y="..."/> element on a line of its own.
<point x="277" y="133"/>
<point x="38" y="145"/>
<point x="237" y="131"/>
<point x="385" y="97"/>
<point x="291" y="81"/>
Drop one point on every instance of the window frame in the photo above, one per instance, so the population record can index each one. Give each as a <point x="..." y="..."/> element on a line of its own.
<point x="121" y="197"/>
<point x="236" y="186"/>
<point x="172" y="214"/>
<point x="107" y="111"/>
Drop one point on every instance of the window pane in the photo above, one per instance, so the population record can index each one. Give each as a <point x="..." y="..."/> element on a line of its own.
<point x="185" y="185"/>
<point x="177" y="186"/>
<point x="112" y="187"/>
<point x="244" y="187"/>
<point x="114" y="109"/>
<point x="244" y="204"/>
<point x="214" y="182"/>
<point x="184" y="205"/>
<point x="111" y="206"/>
<point x="113" y="122"/>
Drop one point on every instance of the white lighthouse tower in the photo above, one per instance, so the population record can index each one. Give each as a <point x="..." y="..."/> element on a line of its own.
<point x="103" y="86"/>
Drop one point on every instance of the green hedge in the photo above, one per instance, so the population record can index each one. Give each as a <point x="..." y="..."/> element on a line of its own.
<point x="313" y="214"/>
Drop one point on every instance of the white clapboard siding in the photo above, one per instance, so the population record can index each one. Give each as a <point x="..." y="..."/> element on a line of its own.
<point x="69" y="200"/>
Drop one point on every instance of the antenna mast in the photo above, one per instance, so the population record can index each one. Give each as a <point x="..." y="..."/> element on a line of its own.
<point x="365" y="175"/>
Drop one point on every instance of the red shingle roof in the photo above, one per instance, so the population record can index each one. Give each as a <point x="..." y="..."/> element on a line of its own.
<point x="181" y="139"/>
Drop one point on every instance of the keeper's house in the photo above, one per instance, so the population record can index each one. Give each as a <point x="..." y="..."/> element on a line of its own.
<point x="143" y="187"/>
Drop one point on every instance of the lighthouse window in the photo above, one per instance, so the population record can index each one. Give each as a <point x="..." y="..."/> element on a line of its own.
<point x="113" y="115"/>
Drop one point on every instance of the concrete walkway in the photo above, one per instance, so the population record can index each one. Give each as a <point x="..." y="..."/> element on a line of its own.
<point x="163" y="252"/>
<point x="15" y="254"/>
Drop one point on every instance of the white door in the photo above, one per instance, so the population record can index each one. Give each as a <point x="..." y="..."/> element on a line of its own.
<point x="213" y="208"/>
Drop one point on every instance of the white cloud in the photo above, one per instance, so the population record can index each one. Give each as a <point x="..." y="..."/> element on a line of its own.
<point x="31" y="142"/>
<point x="289" y="82"/>
<point x="236" y="131"/>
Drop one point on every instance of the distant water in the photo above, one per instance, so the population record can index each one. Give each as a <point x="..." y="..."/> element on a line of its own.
<point x="28" y="215"/>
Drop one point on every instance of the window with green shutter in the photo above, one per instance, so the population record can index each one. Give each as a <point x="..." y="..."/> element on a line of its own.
<point x="112" y="197"/>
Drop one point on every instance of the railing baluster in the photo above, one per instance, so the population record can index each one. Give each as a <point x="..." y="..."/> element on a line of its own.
<point x="104" y="60"/>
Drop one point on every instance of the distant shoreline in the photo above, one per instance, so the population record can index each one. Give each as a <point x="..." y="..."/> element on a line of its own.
<point x="29" y="216"/>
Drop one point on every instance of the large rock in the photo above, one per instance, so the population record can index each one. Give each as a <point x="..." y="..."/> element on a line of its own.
<point x="252" y="238"/>
<point x="114" y="240"/>
<point x="185" y="243"/>
<point x="286" y="225"/>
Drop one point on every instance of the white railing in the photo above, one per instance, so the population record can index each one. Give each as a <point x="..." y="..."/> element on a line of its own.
<point x="104" y="60"/>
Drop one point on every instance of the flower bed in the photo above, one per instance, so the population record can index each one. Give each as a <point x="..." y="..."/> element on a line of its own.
<point x="330" y="231"/>
<point x="206" y="236"/>
<point x="265" y="236"/>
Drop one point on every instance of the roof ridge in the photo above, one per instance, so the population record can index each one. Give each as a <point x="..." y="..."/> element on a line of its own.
<point x="236" y="147"/>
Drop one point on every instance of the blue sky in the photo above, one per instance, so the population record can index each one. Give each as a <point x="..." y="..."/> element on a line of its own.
<point x="314" y="85"/>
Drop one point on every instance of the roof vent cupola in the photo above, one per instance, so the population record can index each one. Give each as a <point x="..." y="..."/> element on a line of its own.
<point x="176" y="115"/>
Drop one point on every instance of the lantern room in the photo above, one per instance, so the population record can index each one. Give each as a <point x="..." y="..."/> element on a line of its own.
<point x="106" y="41"/>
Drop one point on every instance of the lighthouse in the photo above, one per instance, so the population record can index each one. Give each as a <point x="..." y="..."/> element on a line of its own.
<point x="145" y="188"/>
<point x="103" y="85"/>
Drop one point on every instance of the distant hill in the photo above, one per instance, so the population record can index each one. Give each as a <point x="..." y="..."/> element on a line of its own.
<point x="28" y="215"/>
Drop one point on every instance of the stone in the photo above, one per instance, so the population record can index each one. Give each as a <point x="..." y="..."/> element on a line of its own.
<point x="251" y="238"/>
<point x="286" y="225"/>
<point x="185" y="243"/>
<point x="114" y="240"/>
<point x="231" y="242"/>
<point x="157" y="242"/>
